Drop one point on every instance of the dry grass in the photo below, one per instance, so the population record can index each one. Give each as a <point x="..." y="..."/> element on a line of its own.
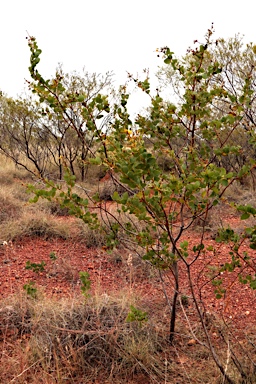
<point x="240" y="194"/>
<point x="69" y="340"/>
<point x="9" y="172"/>
<point x="80" y="340"/>
<point x="91" y="238"/>
<point x="34" y="225"/>
<point x="10" y="208"/>
<point x="108" y="187"/>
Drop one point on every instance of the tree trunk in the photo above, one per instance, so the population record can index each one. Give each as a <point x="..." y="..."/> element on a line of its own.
<point x="174" y="302"/>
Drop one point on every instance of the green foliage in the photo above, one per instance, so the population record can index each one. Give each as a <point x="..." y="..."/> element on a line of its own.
<point x="248" y="279"/>
<point x="30" y="289"/>
<point x="136" y="314"/>
<point x="35" y="267"/>
<point x="184" y="300"/>
<point x="58" y="129"/>
<point x="227" y="235"/>
<point x="53" y="256"/>
<point x="86" y="283"/>
<point x="40" y="267"/>
<point x="251" y="233"/>
<point x="247" y="210"/>
<point x="76" y="205"/>
<point x="219" y="291"/>
<point x="208" y="137"/>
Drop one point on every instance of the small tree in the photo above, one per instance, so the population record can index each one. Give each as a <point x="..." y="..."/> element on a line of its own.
<point x="160" y="207"/>
<point x="22" y="136"/>
<point x="237" y="61"/>
<point x="41" y="138"/>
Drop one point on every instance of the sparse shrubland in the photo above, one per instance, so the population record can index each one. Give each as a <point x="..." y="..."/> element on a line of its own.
<point x="161" y="193"/>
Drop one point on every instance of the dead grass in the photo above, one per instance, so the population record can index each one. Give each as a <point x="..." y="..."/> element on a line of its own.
<point x="108" y="187"/>
<point x="34" y="225"/>
<point x="72" y="339"/>
<point x="9" y="172"/>
<point x="79" y="340"/>
<point x="91" y="238"/>
<point x="240" y="194"/>
<point x="10" y="207"/>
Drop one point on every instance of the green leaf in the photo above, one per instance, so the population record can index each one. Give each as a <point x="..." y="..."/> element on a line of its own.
<point x="80" y="98"/>
<point x="245" y="216"/>
<point x="136" y="314"/>
<point x="96" y="160"/>
<point x="116" y="197"/>
<point x="184" y="245"/>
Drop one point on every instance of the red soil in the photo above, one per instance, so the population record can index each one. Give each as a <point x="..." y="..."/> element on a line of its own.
<point x="112" y="273"/>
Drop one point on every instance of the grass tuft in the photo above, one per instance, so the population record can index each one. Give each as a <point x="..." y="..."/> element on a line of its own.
<point x="29" y="225"/>
<point x="71" y="339"/>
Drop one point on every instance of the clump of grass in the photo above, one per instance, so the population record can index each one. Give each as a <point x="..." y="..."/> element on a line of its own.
<point x="165" y="163"/>
<point x="106" y="190"/>
<point x="56" y="209"/>
<point x="7" y="171"/>
<point x="95" y="173"/>
<point x="83" y="340"/>
<point x="15" y="315"/>
<point x="10" y="172"/>
<point x="90" y="237"/>
<point x="9" y="207"/>
<point x="93" y="238"/>
<point x="210" y="223"/>
<point x="49" y="207"/>
<point x="108" y="187"/>
<point x="73" y="340"/>
<point x="34" y="225"/>
<point x="239" y="194"/>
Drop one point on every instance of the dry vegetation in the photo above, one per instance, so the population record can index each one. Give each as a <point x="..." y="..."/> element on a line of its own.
<point x="87" y="339"/>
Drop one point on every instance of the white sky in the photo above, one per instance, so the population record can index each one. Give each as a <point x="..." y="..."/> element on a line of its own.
<point x="103" y="35"/>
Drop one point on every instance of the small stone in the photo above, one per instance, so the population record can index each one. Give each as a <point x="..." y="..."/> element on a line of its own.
<point x="191" y="342"/>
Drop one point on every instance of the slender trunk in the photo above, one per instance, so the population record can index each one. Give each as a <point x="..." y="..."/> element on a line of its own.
<point x="60" y="163"/>
<point x="83" y="157"/>
<point x="60" y="171"/>
<point x="174" y="302"/>
<point x="72" y="167"/>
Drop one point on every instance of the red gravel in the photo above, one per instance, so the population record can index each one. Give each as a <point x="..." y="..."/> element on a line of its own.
<point x="112" y="273"/>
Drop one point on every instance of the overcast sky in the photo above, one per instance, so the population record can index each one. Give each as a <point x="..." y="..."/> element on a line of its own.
<point x="103" y="35"/>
